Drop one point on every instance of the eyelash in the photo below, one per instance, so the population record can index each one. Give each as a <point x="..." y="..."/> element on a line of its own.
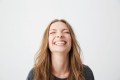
<point x="63" y="32"/>
<point x="66" y="32"/>
<point x="52" y="32"/>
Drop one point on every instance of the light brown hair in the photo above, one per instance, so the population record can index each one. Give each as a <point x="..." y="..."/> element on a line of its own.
<point x="42" y="65"/>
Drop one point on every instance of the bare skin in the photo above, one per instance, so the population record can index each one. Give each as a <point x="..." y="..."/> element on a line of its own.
<point x="60" y="45"/>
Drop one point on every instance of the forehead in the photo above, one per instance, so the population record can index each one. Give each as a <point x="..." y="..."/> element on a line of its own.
<point x="58" y="25"/>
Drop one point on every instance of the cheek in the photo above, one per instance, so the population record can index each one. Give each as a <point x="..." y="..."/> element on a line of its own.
<point x="50" y="40"/>
<point x="70" y="42"/>
<point x="69" y="39"/>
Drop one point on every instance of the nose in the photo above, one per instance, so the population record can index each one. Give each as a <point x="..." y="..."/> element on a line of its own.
<point x="59" y="35"/>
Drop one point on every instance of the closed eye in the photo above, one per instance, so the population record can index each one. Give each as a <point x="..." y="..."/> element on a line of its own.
<point x="66" y="31"/>
<point x="51" y="32"/>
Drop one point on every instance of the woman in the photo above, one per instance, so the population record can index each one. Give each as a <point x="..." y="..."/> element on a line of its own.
<point x="59" y="55"/>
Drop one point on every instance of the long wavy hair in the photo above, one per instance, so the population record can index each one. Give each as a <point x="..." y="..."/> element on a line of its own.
<point x="43" y="65"/>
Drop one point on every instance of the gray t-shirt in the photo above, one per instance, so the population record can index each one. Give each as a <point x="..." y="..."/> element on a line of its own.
<point x="88" y="74"/>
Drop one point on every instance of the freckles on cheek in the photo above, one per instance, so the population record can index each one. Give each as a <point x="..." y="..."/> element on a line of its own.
<point x="50" y="40"/>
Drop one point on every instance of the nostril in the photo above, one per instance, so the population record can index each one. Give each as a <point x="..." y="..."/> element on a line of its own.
<point x="59" y="36"/>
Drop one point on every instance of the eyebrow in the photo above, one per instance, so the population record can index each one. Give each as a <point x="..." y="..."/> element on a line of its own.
<point x="56" y="29"/>
<point x="52" y="29"/>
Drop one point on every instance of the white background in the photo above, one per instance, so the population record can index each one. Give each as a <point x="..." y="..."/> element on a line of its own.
<point x="96" y="24"/>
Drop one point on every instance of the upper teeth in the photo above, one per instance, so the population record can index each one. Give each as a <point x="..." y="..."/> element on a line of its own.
<point x="58" y="43"/>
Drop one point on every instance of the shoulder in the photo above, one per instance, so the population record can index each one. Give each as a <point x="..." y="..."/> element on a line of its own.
<point x="31" y="75"/>
<point x="88" y="74"/>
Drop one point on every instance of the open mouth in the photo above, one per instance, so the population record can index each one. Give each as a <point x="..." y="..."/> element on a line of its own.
<point x="60" y="43"/>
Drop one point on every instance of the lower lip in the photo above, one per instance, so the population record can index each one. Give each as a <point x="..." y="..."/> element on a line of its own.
<point x="59" y="44"/>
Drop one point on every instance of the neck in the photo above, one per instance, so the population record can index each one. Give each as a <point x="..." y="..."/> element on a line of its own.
<point x="60" y="65"/>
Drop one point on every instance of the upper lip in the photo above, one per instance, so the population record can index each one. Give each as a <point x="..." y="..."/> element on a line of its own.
<point x="59" y="41"/>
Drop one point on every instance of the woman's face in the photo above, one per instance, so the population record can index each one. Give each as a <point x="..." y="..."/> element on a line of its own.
<point x="59" y="38"/>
